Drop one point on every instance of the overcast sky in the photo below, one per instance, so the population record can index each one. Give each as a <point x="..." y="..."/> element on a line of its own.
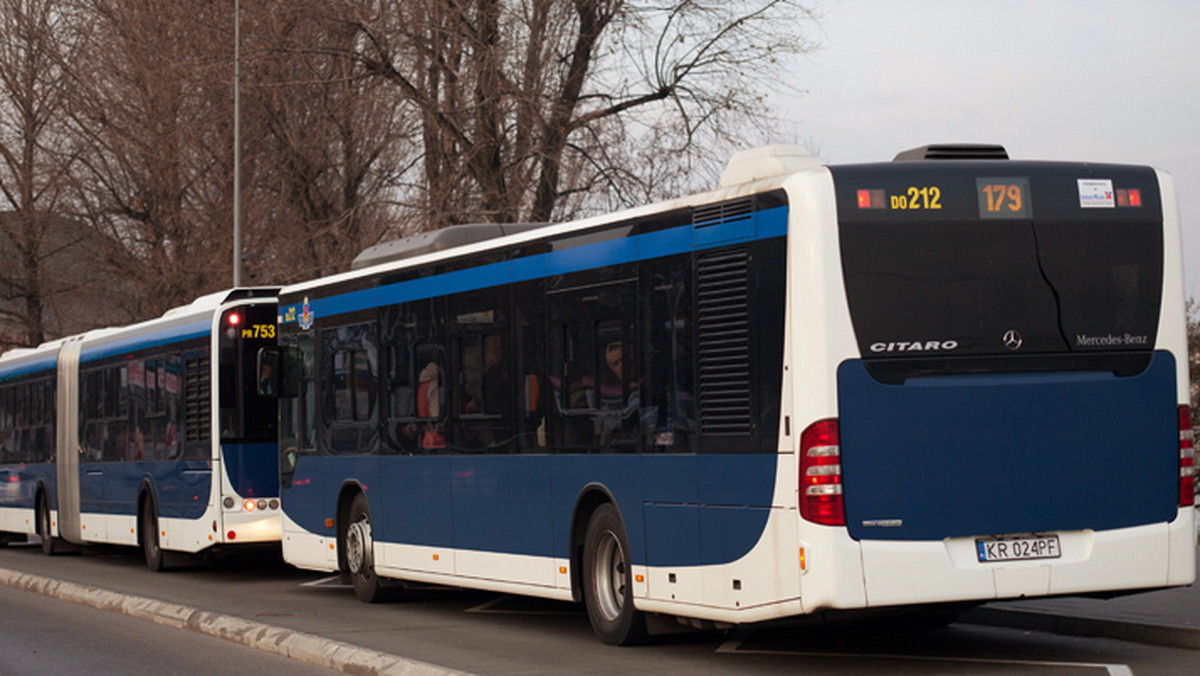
<point x="1103" y="80"/>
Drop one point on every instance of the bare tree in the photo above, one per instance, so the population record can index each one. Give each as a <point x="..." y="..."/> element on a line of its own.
<point x="34" y="163"/>
<point x="536" y="109"/>
<point x="333" y="147"/>
<point x="361" y="118"/>
<point x="154" y="115"/>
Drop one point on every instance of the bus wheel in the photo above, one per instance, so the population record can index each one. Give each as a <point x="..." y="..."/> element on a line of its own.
<point x="360" y="556"/>
<point x="49" y="542"/>
<point x="608" y="581"/>
<point x="148" y="531"/>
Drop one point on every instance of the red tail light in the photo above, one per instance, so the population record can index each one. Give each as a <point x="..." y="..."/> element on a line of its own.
<point x="1187" y="459"/>
<point x="821" y="475"/>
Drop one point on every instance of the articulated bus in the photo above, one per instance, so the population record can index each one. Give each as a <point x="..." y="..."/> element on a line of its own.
<point x="110" y="436"/>
<point x="946" y="379"/>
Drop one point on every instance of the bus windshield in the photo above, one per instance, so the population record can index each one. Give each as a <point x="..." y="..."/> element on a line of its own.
<point x="245" y="416"/>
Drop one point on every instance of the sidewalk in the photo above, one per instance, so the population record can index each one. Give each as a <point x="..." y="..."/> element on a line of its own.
<point x="1169" y="617"/>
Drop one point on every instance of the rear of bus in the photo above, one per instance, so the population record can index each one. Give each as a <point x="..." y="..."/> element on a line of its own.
<point x="1011" y="388"/>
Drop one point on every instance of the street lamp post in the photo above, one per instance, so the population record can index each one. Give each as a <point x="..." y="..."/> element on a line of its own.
<point x="237" y="143"/>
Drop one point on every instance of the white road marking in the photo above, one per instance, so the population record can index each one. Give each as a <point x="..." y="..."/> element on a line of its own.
<point x="331" y="581"/>
<point x="734" y="647"/>
<point x="490" y="607"/>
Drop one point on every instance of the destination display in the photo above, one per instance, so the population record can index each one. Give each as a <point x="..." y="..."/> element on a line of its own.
<point x="1003" y="197"/>
<point x="1034" y="191"/>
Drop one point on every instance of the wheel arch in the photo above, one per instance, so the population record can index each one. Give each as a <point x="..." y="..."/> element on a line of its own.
<point x="40" y="493"/>
<point x="43" y="489"/>
<point x="346" y="494"/>
<point x="586" y="503"/>
<point x="145" y="493"/>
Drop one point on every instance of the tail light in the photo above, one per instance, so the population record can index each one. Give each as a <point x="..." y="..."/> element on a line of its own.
<point x="1187" y="459"/>
<point x="821" y="475"/>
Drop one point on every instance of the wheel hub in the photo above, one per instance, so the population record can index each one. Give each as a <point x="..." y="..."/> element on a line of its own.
<point x="358" y="547"/>
<point x="610" y="577"/>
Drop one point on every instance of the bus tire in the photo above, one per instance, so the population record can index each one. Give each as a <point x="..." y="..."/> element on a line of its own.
<point x="359" y="545"/>
<point x="608" y="580"/>
<point x="50" y="544"/>
<point x="148" y="534"/>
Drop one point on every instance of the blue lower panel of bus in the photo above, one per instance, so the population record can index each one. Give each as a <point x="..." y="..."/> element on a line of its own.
<point x="1003" y="454"/>
<point x="19" y="483"/>
<point x="181" y="488"/>
<point x="678" y="509"/>
<point x="253" y="469"/>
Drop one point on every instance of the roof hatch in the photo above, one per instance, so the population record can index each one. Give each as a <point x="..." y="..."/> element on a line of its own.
<point x="954" y="151"/>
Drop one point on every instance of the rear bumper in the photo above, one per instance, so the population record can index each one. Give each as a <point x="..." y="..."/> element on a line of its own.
<point x="1142" y="557"/>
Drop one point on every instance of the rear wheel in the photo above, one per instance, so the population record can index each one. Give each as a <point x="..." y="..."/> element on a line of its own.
<point x="148" y="534"/>
<point x="359" y="546"/>
<point x="608" y="580"/>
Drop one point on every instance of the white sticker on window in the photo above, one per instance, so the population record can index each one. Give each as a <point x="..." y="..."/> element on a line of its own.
<point x="1096" y="194"/>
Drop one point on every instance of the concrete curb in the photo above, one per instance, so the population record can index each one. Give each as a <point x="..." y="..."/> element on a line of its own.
<point x="1091" y="627"/>
<point x="315" y="650"/>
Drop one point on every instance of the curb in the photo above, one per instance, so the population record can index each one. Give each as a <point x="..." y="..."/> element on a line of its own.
<point x="308" y="648"/>
<point x="1091" y="627"/>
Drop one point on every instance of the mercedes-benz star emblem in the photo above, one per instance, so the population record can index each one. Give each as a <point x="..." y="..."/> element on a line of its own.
<point x="1013" y="340"/>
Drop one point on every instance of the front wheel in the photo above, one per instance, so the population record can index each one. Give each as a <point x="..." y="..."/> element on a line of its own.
<point x="359" y="546"/>
<point x="608" y="580"/>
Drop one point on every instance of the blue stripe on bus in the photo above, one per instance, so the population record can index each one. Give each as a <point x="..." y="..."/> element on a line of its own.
<point x="142" y="341"/>
<point x="45" y="363"/>
<point x="765" y="224"/>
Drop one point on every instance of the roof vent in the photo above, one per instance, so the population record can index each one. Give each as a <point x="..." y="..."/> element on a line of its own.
<point x="954" y="151"/>
<point x="436" y="240"/>
<point x="766" y="162"/>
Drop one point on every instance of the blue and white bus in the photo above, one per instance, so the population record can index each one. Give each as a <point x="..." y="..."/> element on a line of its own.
<point x="111" y="437"/>
<point x="945" y="379"/>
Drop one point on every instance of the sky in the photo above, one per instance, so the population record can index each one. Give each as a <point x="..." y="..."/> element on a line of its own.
<point x="1100" y="80"/>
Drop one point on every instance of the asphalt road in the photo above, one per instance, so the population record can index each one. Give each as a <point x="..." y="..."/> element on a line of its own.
<point x="43" y="635"/>
<point x="486" y="633"/>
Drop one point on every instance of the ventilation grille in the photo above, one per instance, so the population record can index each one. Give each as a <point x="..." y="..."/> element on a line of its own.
<point x="198" y="398"/>
<point x="723" y="346"/>
<point x="723" y="212"/>
<point x="948" y="151"/>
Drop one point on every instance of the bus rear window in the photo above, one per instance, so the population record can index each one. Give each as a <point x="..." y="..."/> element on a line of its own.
<point x="953" y="284"/>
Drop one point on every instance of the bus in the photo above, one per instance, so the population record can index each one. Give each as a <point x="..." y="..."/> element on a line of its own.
<point x="110" y="436"/>
<point x="946" y="379"/>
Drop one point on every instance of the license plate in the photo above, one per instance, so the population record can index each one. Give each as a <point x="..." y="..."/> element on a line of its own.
<point x="991" y="550"/>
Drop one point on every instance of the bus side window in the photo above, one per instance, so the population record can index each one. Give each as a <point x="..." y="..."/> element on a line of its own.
<point x="297" y="413"/>
<point x="431" y="396"/>
<point x="349" y="362"/>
